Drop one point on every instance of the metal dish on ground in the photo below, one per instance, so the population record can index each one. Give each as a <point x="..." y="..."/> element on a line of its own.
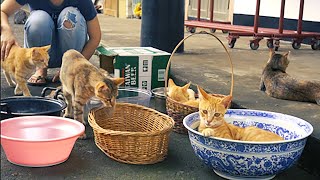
<point x="32" y="106"/>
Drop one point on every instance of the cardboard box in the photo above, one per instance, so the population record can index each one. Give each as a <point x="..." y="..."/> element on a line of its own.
<point x="106" y="59"/>
<point x="142" y="67"/>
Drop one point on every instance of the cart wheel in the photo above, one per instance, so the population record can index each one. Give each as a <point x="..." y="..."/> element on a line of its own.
<point x="315" y="46"/>
<point x="270" y="44"/>
<point x="225" y="31"/>
<point x="296" y="45"/>
<point x="254" y="46"/>
<point x="232" y="42"/>
<point x="213" y="30"/>
<point x="191" y="29"/>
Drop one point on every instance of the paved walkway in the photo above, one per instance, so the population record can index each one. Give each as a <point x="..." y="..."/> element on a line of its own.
<point x="204" y="63"/>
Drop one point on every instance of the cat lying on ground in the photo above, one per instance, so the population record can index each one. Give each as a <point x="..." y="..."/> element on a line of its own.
<point x="278" y="84"/>
<point x="81" y="81"/>
<point x="21" y="63"/>
<point x="183" y="94"/>
<point x="212" y="122"/>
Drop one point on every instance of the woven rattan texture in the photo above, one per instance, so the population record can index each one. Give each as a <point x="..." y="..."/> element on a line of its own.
<point x="134" y="134"/>
<point x="177" y="110"/>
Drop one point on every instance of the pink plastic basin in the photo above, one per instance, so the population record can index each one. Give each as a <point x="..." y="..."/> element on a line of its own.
<point x="39" y="141"/>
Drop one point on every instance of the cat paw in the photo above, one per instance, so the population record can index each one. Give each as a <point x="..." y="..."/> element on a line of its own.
<point x="207" y="132"/>
<point x="12" y="84"/>
<point x="68" y="116"/>
<point x="18" y="93"/>
<point x="83" y="136"/>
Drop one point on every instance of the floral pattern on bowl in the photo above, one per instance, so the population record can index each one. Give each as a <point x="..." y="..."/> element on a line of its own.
<point x="235" y="159"/>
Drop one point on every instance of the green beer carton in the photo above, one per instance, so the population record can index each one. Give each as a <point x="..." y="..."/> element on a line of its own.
<point x="142" y="67"/>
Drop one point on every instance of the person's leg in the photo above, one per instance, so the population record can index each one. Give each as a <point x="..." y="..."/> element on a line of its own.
<point x="72" y="33"/>
<point x="39" y="31"/>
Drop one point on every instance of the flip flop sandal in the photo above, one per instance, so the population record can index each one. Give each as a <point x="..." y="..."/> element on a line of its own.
<point x="38" y="81"/>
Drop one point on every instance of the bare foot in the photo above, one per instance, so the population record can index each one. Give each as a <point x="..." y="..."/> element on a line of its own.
<point x="38" y="78"/>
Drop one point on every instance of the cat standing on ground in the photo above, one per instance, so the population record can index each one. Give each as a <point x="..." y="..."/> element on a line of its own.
<point x="278" y="84"/>
<point x="212" y="122"/>
<point x="21" y="63"/>
<point x="182" y="94"/>
<point x="81" y="80"/>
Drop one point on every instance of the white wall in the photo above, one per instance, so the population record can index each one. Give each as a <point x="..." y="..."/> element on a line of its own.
<point x="271" y="8"/>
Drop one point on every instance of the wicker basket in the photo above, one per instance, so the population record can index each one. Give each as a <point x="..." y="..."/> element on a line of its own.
<point x="177" y="110"/>
<point x="134" y="134"/>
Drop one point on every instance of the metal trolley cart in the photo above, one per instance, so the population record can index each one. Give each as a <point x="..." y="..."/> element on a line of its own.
<point x="273" y="35"/>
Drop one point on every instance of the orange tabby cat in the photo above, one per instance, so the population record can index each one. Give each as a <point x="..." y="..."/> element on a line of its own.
<point x="182" y="94"/>
<point x="21" y="63"/>
<point x="212" y="123"/>
<point x="81" y="80"/>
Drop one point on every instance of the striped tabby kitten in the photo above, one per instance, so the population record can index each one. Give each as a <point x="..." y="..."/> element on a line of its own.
<point x="21" y="63"/>
<point x="278" y="84"/>
<point x="182" y="94"/>
<point x="81" y="80"/>
<point x="212" y="123"/>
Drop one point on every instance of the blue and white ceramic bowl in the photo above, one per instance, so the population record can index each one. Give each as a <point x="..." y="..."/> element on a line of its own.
<point x="234" y="159"/>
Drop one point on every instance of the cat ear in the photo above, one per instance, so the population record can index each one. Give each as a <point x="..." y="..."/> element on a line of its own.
<point x="202" y="93"/>
<point x="171" y="83"/>
<point x="186" y="87"/>
<point x="226" y="101"/>
<point x="271" y="52"/>
<point x="118" y="81"/>
<point x="101" y="87"/>
<point x="46" y="48"/>
<point x="286" y="54"/>
<point x="35" y="52"/>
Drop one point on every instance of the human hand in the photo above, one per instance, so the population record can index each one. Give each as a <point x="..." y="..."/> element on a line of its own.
<point x="7" y="40"/>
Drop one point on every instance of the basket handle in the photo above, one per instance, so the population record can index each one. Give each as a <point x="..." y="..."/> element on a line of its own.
<point x="175" y="49"/>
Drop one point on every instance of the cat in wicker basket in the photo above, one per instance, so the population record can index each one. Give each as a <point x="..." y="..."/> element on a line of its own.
<point x="278" y="84"/>
<point x="212" y="123"/>
<point x="81" y="81"/>
<point x="182" y="94"/>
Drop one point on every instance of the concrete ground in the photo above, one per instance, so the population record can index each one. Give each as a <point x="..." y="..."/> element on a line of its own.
<point x="204" y="63"/>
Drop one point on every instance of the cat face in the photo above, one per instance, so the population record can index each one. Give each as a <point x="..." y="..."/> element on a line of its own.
<point x="178" y="93"/>
<point x="212" y="109"/>
<point x="107" y="91"/>
<point x="40" y="56"/>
